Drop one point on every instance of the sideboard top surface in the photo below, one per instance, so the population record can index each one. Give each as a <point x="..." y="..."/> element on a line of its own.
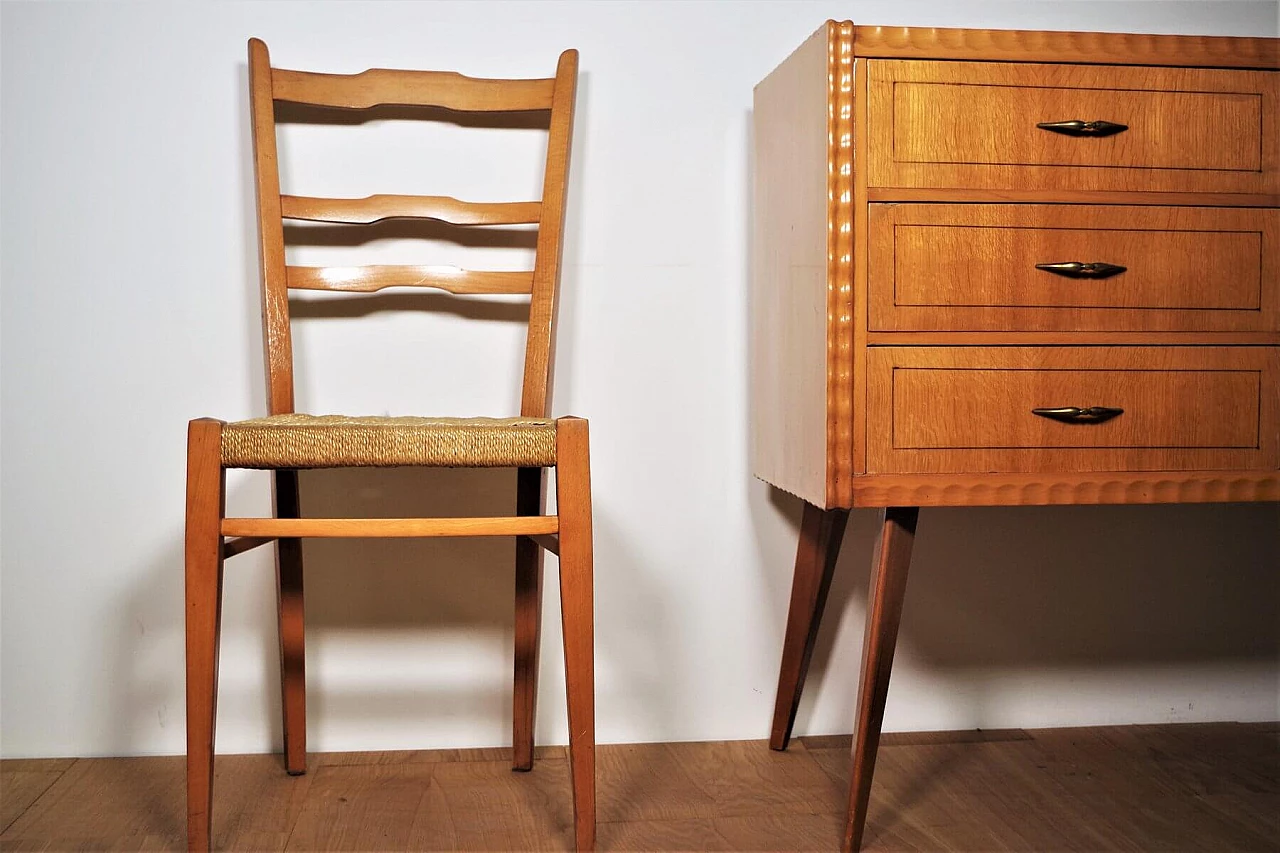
<point x="1053" y="46"/>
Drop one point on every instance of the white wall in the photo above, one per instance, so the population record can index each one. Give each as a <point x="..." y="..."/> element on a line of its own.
<point x="130" y="305"/>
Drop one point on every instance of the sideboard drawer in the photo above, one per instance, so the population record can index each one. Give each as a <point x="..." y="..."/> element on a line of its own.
<point x="970" y="409"/>
<point x="974" y="125"/>
<point x="1004" y="267"/>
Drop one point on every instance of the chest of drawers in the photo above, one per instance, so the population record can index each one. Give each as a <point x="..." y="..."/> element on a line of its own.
<point x="1007" y="268"/>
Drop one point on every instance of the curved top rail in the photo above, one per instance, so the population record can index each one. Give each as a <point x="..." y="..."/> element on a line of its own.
<point x="379" y="86"/>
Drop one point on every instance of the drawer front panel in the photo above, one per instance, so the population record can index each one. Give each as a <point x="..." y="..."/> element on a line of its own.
<point x="974" y="125"/>
<point x="968" y="410"/>
<point x="974" y="268"/>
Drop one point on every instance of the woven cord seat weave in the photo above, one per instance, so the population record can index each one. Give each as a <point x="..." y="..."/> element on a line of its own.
<point x="338" y="441"/>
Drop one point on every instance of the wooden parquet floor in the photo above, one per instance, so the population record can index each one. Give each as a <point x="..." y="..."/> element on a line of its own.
<point x="1213" y="787"/>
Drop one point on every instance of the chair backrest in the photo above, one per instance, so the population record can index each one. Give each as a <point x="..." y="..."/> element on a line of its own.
<point x="439" y="89"/>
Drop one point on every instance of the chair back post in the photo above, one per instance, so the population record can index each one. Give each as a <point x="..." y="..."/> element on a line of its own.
<point x="277" y="340"/>
<point x="545" y="301"/>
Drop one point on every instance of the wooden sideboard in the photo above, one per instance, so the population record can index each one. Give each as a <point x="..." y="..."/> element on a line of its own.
<point x="1006" y="268"/>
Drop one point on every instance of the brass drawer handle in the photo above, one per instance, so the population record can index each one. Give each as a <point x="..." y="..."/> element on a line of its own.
<point x="1074" y="415"/>
<point x="1075" y="269"/>
<point x="1083" y="128"/>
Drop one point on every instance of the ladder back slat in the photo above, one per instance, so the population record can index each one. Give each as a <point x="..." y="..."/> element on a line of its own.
<point x="444" y="91"/>
<point x="376" y="208"/>
<point x="369" y="279"/>
<point x="382" y="86"/>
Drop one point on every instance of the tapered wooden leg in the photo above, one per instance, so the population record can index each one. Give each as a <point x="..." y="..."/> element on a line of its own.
<point x="884" y="612"/>
<point x="820" y="534"/>
<point x="573" y="505"/>
<point x="528" y="627"/>
<point x="292" y="624"/>
<point x="206" y="492"/>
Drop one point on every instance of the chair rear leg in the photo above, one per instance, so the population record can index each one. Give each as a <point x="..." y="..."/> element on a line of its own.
<point x="206" y="490"/>
<point x="528" y="622"/>
<point x="292" y="625"/>
<point x="573" y="506"/>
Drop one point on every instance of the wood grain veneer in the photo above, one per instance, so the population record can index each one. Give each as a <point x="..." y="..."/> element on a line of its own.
<point x="902" y="333"/>
<point x="1068" y="338"/>
<point x="1062" y="489"/>
<point x="1071" y="196"/>
<point x="1198" y="273"/>
<point x="968" y="409"/>
<point x="972" y="125"/>
<point x="1052" y="46"/>
<point x="943" y="267"/>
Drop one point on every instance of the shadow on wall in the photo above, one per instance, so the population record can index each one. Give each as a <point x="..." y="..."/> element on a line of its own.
<point x="148" y="647"/>
<point x="376" y="602"/>
<point x="369" y="591"/>
<point x="1035" y="588"/>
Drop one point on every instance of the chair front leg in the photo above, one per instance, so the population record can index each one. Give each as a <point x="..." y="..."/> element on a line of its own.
<point x="206" y="495"/>
<point x="573" y="506"/>
<point x="530" y="493"/>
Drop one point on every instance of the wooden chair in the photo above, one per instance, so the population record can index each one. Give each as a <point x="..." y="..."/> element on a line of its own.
<point x="285" y="441"/>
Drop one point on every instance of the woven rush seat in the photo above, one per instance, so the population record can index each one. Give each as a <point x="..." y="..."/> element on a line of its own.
<point x="338" y="441"/>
